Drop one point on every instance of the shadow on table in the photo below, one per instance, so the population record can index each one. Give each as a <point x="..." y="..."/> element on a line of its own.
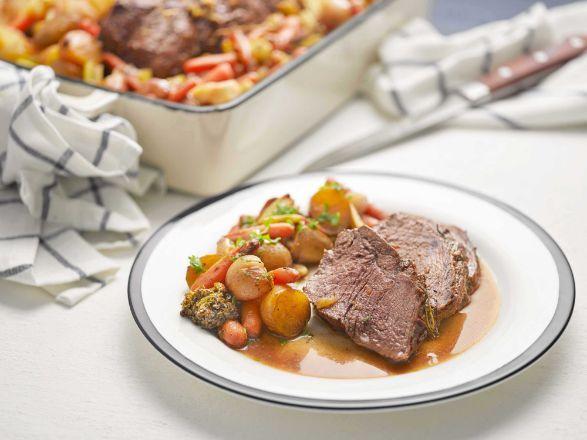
<point x="224" y="415"/>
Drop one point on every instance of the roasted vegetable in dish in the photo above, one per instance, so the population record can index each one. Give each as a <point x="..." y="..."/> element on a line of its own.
<point x="248" y="285"/>
<point x="285" y="311"/>
<point x="200" y="52"/>
<point x="248" y="278"/>
<point x="209" y="308"/>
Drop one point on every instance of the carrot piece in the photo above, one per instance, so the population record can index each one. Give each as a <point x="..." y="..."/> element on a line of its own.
<point x="207" y="62"/>
<point x="285" y="275"/>
<point x="216" y="274"/>
<point x="233" y="334"/>
<point x="112" y="60"/>
<point x="374" y="211"/>
<point x="281" y="230"/>
<point x="250" y="76"/>
<point x="24" y="21"/>
<point x="299" y="51"/>
<point x="221" y="72"/>
<point x="91" y="27"/>
<point x="258" y="31"/>
<point x="284" y="37"/>
<point x="251" y="318"/>
<point x="179" y="93"/>
<point x="134" y="83"/>
<point x="244" y="233"/>
<point x="242" y="46"/>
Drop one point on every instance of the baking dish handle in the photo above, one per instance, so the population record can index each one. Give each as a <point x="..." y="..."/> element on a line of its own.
<point x="99" y="101"/>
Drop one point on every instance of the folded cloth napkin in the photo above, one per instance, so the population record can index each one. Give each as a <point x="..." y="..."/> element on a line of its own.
<point x="419" y="70"/>
<point x="65" y="185"/>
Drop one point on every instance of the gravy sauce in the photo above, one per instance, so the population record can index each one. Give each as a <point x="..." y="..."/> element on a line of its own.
<point x="323" y="352"/>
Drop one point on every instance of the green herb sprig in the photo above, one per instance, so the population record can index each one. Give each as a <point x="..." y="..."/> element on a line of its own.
<point x="327" y="217"/>
<point x="196" y="264"/>
<point x="263" y="238"/>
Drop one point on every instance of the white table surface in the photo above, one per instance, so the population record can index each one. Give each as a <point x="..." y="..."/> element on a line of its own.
<point x="87" y="372"/>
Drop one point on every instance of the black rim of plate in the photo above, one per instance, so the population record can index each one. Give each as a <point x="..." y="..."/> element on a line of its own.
<point x="549" y="336"/>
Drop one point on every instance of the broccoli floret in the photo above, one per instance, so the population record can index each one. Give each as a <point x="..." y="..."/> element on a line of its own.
<point x="209" y="308"/>
<point x="193" y="296"/>
<point x="214" y="310"/>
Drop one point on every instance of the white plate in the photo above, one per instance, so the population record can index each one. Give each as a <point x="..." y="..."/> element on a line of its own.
<point x="534" y="277"/>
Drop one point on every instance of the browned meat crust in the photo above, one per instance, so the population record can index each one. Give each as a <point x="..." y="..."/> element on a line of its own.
<point x="162" y="34"/>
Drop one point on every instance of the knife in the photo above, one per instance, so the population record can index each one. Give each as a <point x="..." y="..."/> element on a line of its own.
<point x="507" y="79"/>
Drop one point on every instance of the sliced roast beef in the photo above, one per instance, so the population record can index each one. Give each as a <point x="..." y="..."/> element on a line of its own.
<point x="473" y="269"/>
<point x="437" y="254"/>
<point x="365" y="289"/>
<point x="162" y="34"/>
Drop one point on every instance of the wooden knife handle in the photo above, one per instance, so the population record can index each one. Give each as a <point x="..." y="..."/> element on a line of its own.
<point x="534" y="63"/>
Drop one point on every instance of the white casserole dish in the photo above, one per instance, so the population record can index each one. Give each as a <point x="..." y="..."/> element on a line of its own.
<point x="206" y="150"/>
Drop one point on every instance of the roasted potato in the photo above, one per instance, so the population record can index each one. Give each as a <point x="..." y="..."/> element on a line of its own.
<point x="13" y="44"/>
<point x="274" y="256"/>
<point x="309" y="245"/>
<point x="285" y="311"/>
<point x="331" y="207"/>
<point x="283" y="205"/>
<point x="248" y="279"/>
<point x="335" y="12"/>
<point x="78" y="47"/>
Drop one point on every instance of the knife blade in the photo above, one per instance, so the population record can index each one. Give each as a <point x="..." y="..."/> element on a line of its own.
<point x="519" y="74"/>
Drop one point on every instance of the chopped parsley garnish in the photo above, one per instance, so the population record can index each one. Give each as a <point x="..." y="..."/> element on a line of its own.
<point x="327" y="217"/>
<point x="312" y="223"/>
<point x="196" y="264"/>
<point x="239" y="242"/>
<point x="282" y="342"/>
<point x="284" y="209"/>
<point x="247" y="220"/>
<point x="263" y="238"/>
<point x="332" y="184"/>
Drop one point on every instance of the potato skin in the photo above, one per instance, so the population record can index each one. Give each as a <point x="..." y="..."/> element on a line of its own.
<point x="309" y="245"/>
<point x="248" y="279"/>
<point x="285" y="311"/>
<point x="274" y="256"/>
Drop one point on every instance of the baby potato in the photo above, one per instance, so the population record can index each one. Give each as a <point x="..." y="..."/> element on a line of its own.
<point x="331" y="207"/>
<point x="247" y="278"/>
<point x="335" y="12"/>
<point x="78" y="46"/>
<point x="285" y="311"/>
<point x="274" y="256"/>
<point x="309" y="245"/>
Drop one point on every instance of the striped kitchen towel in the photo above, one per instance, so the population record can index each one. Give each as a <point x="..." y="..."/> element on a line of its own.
<point x="65" y="185"/>
<point x="419" y="70"/>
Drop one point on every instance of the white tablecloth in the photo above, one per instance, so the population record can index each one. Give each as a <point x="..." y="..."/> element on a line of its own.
<point x="89" y="373"/>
